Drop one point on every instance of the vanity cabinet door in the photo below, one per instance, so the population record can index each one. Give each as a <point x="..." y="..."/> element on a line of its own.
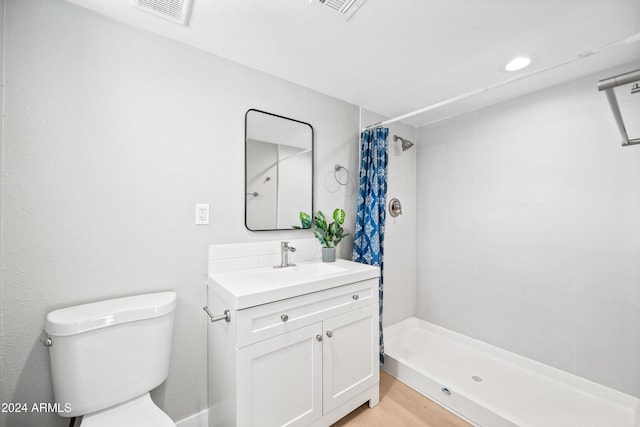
<point x="279" y="380"/>
<point x="350" y="355"/>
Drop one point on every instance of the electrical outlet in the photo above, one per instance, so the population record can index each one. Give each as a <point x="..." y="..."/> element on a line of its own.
<point x="202" y="213"/>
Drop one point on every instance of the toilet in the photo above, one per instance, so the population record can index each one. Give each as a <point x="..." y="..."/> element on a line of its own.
<point x="107" y="356"/>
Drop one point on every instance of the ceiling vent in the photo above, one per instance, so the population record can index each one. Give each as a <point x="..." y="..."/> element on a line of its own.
<point x="346" y="8"/>
<point x="174" y="10"/>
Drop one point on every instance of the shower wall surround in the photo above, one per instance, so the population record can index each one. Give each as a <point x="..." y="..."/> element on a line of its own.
<point x="529" y="237"/>
<point x="111" y="136"/>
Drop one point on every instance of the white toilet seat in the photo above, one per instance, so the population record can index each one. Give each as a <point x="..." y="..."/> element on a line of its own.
<point x="139" y="412"/>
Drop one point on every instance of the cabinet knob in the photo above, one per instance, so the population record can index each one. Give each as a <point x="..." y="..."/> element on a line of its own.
<point x="319" y="337"/>
<point x="356" y="297"/>
<point x="329" y="334"/>
<point x="284" y="317"/>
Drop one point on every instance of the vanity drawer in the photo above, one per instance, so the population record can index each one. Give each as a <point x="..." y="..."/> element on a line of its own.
<point x="270" y="320"/>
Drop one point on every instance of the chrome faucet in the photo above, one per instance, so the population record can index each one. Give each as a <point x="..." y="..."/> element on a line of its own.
<point x="284" y="255"/>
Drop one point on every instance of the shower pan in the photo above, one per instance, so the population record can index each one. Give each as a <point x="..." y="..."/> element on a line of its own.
<point x="489" y="386"/>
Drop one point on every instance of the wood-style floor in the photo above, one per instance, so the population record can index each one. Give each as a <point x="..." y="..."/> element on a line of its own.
<point x="400" y="406"/>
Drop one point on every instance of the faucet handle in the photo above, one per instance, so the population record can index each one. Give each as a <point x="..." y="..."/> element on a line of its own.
<point x="285" y="246"/>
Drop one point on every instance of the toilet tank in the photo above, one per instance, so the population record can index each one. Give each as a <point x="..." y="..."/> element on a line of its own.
<point x="107" y="352"/>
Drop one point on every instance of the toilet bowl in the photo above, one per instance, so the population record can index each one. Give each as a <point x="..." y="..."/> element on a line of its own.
<point x="108" y="355"/>
<point x="138" y="412"/>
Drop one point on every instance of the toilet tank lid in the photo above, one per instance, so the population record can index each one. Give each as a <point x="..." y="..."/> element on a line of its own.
<point x="100" y="314"/>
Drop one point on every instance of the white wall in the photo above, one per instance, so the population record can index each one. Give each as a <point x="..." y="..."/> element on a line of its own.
<point x="111" y="136"/>
<point x="529" y="237"/>
<point x="2" y="114"/>
<point x="399" y="236"/>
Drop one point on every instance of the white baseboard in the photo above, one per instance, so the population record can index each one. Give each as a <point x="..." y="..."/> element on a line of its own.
<point x="201" y="419"/>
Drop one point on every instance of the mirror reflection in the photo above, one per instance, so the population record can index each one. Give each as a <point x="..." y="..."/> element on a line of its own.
<point x="278" y="171"/>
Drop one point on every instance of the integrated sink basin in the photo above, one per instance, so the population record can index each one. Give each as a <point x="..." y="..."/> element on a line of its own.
<point x="301" y="272"/>
<point x="251" y="287"/>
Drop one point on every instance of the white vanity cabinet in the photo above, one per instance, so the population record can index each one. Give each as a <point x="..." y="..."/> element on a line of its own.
<point x="279" y="380"/>
<point x="350" y="356"/>
<point x="306" y="360"/>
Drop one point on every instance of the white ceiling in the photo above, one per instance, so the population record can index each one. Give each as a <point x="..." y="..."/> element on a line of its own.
<point x="395" y="56"/>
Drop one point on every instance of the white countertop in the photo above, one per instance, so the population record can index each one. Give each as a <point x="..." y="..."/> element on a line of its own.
<point x="248" y="288"/>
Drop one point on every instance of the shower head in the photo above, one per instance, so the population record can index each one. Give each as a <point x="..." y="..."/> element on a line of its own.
<point x="406" y="144"/>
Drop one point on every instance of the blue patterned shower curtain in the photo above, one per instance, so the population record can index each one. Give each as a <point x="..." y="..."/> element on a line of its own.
<point x="369" y="233"/>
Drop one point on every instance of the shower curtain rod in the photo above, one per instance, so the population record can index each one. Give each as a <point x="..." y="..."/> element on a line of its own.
<point x="628" y="40"/>
<point x="608" y="86"/>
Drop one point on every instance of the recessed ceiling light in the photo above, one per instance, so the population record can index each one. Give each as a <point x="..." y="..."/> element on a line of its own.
<point x="518" y="63"/>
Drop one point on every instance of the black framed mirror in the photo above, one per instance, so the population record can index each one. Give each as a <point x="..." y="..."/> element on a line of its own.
<point x="278" y="171"/>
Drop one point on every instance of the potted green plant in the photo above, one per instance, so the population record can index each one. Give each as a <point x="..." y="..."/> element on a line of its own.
<point x="329" y="234"/>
